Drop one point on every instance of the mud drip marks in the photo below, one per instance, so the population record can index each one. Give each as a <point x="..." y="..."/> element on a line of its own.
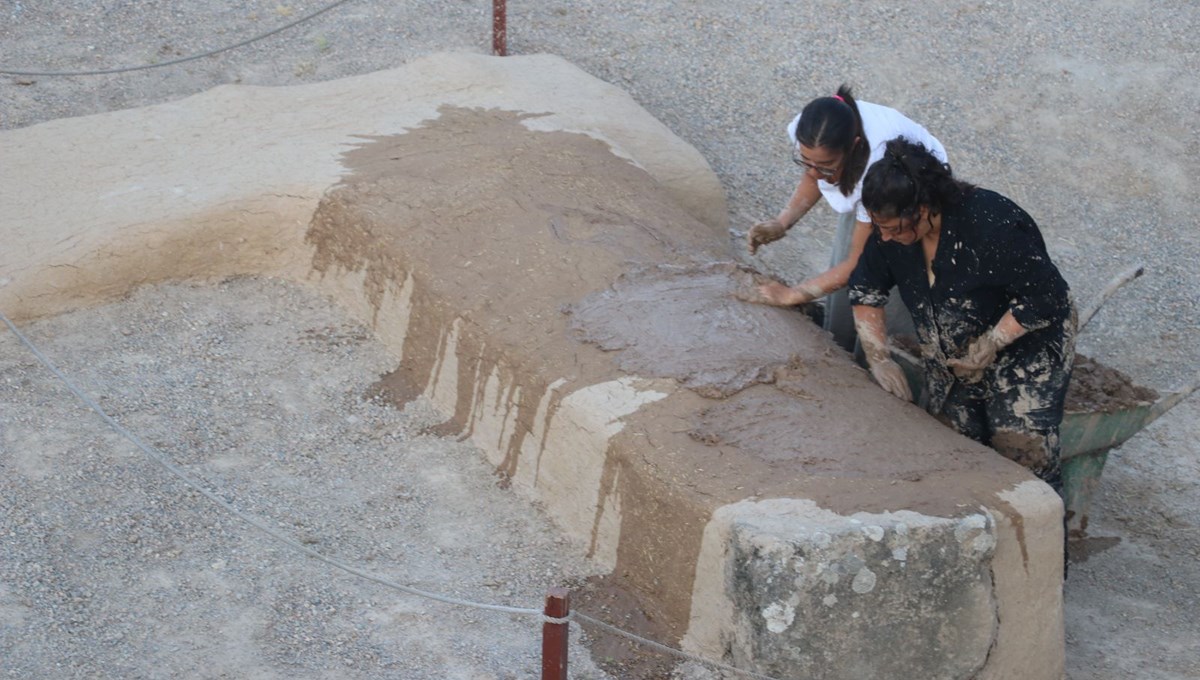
<point x="1017" y="520"/>
<point x="327" y="232"/>
<point x="439" y="379"/>
<point x="976" y="534"/>
<point x="549" y="408"/>
<point x="612" y="401"/>
<point x="608" y="502"/>
<point x="526" y="402"/>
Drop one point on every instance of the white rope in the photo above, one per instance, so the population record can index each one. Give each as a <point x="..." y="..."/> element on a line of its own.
<point x="584" y="618"/>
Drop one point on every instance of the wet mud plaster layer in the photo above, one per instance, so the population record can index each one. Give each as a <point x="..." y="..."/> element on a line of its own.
<point x="552" y="288"/>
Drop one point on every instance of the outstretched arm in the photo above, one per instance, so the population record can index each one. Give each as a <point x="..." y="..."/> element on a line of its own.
<point x="872" y="333"/>
<point x="831" y="280"/>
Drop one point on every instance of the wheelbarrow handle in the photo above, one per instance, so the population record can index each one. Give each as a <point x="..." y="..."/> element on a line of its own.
<point x="1170" y="399"/>
<point x="1120" y="280"/>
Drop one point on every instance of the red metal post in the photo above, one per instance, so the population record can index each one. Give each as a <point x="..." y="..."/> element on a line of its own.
<point x="499" y="28"/>
<point x="555" y="635"/>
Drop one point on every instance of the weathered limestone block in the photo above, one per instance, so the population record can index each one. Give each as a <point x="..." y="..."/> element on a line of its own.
<point x="819" y="595"/>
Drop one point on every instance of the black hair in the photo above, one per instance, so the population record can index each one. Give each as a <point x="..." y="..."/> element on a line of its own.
<point x="835" y="123"/>
<point x="910" y="177"/>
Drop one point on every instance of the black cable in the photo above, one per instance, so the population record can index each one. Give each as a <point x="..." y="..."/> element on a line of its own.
<point x="181" y="59"/>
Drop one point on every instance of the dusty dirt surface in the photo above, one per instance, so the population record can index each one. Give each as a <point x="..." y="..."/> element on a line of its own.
<point x="1082" y="112"/>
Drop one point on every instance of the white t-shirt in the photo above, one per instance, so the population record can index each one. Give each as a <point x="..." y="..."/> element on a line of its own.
<point x="881" y="125"/>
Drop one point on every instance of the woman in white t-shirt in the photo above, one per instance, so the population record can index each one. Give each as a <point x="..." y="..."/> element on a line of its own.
<point x="835" y="139"/>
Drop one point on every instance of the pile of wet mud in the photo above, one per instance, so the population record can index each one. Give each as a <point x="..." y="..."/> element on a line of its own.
<point x="1098" y="388"/>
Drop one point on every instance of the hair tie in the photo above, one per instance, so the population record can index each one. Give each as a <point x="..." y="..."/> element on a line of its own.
<point x="839" y="98"/>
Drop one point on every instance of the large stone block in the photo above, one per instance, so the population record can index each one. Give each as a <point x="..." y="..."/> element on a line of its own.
<point x="820" y="595"/>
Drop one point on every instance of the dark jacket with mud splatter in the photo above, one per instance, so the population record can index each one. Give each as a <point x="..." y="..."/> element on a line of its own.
<point x="990" y="258"/>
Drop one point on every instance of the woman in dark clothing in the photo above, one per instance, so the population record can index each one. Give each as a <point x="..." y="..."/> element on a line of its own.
<point x="993" y="315"/>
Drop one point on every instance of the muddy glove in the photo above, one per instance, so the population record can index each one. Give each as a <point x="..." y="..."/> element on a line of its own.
<point x="979" y="355"/>
<point x="765" y="232"/>
<point x="891" y="377"/>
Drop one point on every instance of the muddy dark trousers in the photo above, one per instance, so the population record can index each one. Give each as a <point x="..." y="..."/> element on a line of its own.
<point x="989" y="416"/>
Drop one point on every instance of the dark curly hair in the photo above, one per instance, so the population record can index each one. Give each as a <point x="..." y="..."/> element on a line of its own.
<point x="910" y="177"/>
<point x="835" y="123"/>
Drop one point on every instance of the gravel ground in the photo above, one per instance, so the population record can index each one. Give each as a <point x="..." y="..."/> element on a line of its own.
<point x="1083" y="112"/>
<point x="111" y="567"/>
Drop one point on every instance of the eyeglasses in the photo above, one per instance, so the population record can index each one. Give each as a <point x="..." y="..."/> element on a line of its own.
<point x="824" y="172"/>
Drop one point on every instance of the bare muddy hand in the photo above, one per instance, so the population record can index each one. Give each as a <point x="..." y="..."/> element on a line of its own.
<point x="763" y="233"/>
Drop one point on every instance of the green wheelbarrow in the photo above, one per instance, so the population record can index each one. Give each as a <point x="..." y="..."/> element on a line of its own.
<point x="1086" y="439"/>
